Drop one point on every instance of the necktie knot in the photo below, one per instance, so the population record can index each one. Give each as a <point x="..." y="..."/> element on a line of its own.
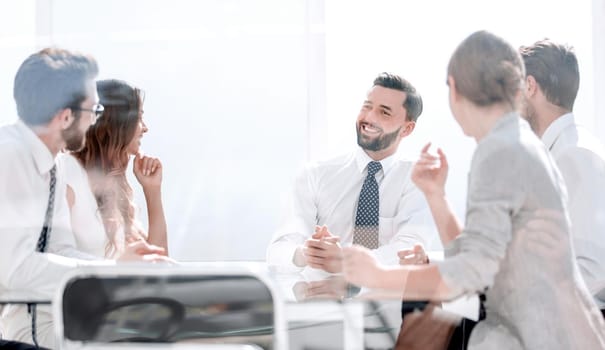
<point x="373" y="168"/>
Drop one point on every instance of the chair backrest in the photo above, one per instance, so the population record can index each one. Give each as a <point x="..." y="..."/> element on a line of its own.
<point x="143" y="306"/>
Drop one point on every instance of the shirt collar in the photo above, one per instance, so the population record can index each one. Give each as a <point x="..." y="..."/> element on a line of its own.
<point x="41" y="155"/>
<point x="555" y="128"/>
<point x="362" y="159"/>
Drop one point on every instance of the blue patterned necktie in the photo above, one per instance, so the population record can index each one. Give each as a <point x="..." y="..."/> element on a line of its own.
<point x="366" y="220"/>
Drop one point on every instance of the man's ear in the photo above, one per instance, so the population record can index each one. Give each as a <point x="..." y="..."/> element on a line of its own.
<point x="531" y="86"/>
<point x="64" y="118"/>
<point x="407" y="129"/>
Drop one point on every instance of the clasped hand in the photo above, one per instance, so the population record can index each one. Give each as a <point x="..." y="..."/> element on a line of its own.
<point x="323" y="251"/>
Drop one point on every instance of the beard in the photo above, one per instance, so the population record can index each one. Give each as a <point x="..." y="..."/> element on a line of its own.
<point x="377" y="143"/>
<point x="73" y="137"/>
<point x="529" y="113"/>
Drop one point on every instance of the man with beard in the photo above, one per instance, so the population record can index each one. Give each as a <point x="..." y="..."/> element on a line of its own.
<point x="56" y="98"/>
<point x="552" y="82"/>
<point x="364" y="198"/>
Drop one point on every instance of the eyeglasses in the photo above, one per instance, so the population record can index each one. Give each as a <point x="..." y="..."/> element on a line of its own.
<point x="97" y="110"/>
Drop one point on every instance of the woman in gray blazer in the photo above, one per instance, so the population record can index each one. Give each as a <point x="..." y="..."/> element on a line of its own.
<point x="515" y="245"/>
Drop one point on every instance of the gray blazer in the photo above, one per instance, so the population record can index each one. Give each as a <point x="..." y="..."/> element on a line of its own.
<point x="536" y="298"/>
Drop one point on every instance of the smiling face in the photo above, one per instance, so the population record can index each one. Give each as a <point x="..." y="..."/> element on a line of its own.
<point x="382" y="122"/>
<point x="135" y="144"/>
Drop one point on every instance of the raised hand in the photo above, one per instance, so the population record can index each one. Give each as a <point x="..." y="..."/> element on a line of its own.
<point x="430" y="172"/>
<point x="148" y="171"/>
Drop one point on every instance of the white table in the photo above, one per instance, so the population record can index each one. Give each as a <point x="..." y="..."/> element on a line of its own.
<point x="290" y="306"/>
<point x="23" y="297"/>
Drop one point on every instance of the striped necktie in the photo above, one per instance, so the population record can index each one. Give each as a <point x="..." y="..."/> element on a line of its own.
<point x="43" y="239"/>
<point x="48" y="218"/>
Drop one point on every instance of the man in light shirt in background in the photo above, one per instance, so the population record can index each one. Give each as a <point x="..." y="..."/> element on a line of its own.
<point x="552" y="82"/>
<point x="56" y="100"/>
<point x="333" y="204"/>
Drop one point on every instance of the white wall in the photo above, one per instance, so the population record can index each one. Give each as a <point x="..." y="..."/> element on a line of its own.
<point x="226" y="105"/>
<point x="416" y="40"/>
<point x="239" y="94"/>
<point x="17" y="41"/>
<point x="598" y="40"/>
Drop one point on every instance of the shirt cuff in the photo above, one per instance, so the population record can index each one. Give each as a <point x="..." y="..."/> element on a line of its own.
<point x="280" y="257"/>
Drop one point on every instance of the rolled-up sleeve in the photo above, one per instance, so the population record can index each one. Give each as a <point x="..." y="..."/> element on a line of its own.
<point x="494" y="195"/>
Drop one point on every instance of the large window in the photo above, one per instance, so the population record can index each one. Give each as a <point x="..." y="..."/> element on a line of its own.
<point x="239" y="94"/>
<point x="416" y="39"/>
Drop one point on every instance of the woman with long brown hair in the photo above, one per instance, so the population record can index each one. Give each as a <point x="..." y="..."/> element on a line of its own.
<point x="99" y="195"/>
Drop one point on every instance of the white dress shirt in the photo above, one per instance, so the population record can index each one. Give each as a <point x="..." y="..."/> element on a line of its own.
<point x="327" y="193"/>
<point x="581" y="160"/>
<point x="536" y="297"/>
<point x="24" y="185"/>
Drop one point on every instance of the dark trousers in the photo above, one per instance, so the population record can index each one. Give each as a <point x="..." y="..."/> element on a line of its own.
<point x="603" y="312"/>
<point x="15" y="345"/>
<point x="462" y="332"/>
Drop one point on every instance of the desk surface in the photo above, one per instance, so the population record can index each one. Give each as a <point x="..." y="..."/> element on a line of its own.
<point x="23" y="297"/>
<point x="292" y="286"/>
<point x="306" y="296"/>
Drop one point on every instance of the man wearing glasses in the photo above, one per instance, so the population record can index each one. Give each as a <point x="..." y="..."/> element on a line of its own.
<point x="75" y="134"/>
<point x="56" y="101"/>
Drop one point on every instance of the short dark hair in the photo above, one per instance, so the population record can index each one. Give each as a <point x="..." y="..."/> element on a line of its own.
<point x="555" y="68"/>
<point x="50" y="80"/>
<point x="413" y="100"/>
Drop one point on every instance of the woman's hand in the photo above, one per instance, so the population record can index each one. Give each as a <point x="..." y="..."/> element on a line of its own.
<point x="148" y="171"/>
<point x="546" y="239"/>
<point x="415" y="256"/>
<point x="140" y="250"/>
<point x="361" y="268"/>
<point x="430" y="172"/>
